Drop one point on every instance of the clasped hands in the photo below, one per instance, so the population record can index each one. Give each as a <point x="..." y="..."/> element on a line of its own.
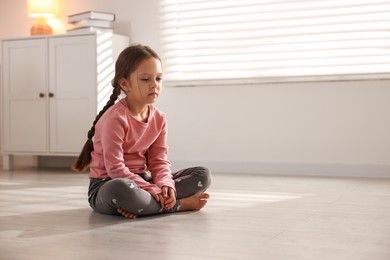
<point x="167" y="197"/>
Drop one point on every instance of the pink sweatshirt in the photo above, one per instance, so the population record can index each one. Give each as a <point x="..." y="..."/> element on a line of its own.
<point x="120" y="143"/>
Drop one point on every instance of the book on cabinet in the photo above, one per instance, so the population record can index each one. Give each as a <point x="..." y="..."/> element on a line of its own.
<point x="91" y="15"/>
<point x="93" y="23"/>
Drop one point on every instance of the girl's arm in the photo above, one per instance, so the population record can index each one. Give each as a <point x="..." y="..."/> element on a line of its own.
<point x="159" y="164"/>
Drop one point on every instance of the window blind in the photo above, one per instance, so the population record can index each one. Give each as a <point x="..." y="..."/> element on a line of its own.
<point x="250" y="41"/>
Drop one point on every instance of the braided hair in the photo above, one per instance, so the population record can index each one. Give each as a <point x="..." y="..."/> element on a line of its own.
<point x="127" y="63"/>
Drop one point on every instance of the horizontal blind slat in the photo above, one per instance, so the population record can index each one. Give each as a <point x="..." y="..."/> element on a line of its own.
<point x="266" y="6"/>
<point x="261" y="15"/>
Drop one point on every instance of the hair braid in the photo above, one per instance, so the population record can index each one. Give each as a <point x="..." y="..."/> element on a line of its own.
<point x="114" y="96"/>
<point x="84" y="158"/>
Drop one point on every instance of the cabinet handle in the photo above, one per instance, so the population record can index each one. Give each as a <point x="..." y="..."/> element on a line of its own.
<point x="51" y="94"/>
<point x="41" y="95"/>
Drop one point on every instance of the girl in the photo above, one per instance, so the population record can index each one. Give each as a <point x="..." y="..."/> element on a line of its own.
<point x="129" y="170"/>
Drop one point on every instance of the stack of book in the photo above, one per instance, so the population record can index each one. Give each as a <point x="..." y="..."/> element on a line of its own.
<point x="91" y="21"/>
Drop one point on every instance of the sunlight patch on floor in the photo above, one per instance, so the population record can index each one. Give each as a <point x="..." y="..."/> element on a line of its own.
<point x="241" y="199"/>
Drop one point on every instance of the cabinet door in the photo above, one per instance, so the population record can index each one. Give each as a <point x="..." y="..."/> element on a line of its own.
<point x="24" y="95"/>
<point x="72" y="91"/>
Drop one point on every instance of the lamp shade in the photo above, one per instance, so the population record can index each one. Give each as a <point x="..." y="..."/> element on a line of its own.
<point x="40" y="8"/>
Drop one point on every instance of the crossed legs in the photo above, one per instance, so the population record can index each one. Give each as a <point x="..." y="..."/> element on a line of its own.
<point x="123" y="196"/>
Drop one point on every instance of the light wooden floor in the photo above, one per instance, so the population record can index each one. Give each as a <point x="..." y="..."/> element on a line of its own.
<point x="44" y="215"/>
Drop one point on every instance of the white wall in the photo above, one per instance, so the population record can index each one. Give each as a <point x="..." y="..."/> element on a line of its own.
<point x="302" y="128"/>
<point x="334" y="128"/>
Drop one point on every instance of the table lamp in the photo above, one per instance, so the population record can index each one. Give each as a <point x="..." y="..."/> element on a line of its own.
<point x="40" y="9"/>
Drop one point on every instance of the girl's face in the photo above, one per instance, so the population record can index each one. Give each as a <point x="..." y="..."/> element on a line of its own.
<point x="144" y="84"/>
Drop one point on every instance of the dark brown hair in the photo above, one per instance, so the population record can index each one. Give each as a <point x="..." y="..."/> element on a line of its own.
<point x="127" y="63"/>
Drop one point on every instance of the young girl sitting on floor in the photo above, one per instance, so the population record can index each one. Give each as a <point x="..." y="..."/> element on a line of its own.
<point x="129" y="169"/>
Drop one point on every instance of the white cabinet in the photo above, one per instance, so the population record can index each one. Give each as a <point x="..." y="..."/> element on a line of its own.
<point x="52" y="89"/>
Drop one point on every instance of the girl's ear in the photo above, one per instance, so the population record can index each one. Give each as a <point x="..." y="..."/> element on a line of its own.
<point x="125" y="85"/>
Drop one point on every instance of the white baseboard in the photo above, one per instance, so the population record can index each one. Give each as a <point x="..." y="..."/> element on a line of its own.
<point x="296" y="169"/>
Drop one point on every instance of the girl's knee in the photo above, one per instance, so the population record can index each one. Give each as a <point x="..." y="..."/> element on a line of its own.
<point x="204" y="174"/>
<point x="111" y="194"/>
<point x="121" y="187"/>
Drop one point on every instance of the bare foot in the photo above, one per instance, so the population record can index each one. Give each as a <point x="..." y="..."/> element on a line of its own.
<point x="126" y="214"/>
<point x="194" y="202"/>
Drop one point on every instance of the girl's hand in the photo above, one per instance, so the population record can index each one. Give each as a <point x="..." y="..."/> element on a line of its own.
<point x="169" y="195"/>
<point x="160" y="198"/>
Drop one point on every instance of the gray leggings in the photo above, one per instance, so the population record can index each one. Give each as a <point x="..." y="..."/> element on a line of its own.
<point x="107" y="195"/>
